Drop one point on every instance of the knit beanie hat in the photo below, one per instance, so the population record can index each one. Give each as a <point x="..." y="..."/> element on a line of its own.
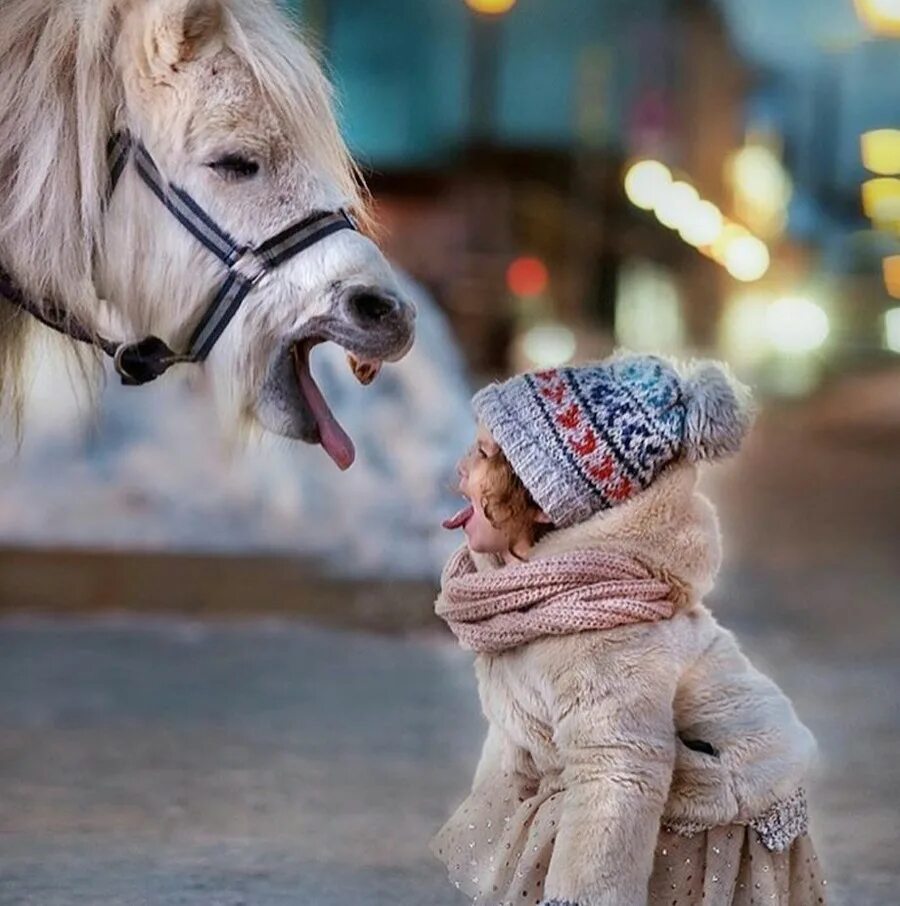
<point x="583" y="439"/>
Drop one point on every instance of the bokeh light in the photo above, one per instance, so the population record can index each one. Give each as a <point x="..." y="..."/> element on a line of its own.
<point x="491" y="7"/>
<point x="892" y="275"/>
<point x="881" y="199"/>
<point x="649" y="316"/>
<point x="746" y="258"/>
<point x="645" y="183"/>
<point x="527" y="276"/>
<point x="795" y="324"/>
<point x="881" y="151"/>
<point x="760" y="175"/>
<point x="676" y="204"/>
<point x="881" y="16"/>
<point x="702" y="224"/>
<point x="730" y="232"/>
<point x="548" y="345"/>
<point x="742" y="328"/>
<point x="892" y="329"/>
<point x="762" y="189"/>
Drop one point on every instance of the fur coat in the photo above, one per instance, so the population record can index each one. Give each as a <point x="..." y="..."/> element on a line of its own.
<point x="638" y="727"/>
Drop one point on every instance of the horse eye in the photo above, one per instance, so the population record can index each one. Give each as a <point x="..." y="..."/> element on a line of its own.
<point x="233" y="166"/>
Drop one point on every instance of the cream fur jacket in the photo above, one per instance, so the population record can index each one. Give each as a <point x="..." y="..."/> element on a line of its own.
<point x="621" y="717"/>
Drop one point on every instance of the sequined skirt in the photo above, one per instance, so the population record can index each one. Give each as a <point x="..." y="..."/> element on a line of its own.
<point x="731" y="866"/>
<point x="497" y="849"/>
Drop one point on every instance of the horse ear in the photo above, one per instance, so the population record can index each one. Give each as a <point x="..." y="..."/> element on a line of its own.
<point x="186" y="30"/>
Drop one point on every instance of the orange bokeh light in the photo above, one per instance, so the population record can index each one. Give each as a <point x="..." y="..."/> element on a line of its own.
<point x="892" y="275"/>
<point x="491" y="7"/>
<point x="881" y="16"/>
<point x="527" y="276"/>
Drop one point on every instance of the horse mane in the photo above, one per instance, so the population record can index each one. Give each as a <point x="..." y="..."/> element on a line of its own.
<point x="60" y="100"/>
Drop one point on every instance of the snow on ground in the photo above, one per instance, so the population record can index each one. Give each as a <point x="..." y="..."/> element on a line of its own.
<point x="153" y="471"/>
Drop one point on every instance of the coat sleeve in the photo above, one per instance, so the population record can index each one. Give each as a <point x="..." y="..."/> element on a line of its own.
<point x="616" y="737"/>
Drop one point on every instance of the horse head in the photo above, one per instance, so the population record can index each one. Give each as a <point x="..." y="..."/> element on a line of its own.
<point x="234" y="111"/>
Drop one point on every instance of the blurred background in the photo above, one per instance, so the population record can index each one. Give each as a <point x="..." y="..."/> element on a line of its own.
<point x="221" y="680"/>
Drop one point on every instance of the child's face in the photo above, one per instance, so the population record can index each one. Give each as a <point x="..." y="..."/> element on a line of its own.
<point x="482" y="536"/>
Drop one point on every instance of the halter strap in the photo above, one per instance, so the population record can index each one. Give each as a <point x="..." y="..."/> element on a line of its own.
<point x="145" y="360"/>
<point x="117" y="151"/>
<point x="52" y="315"/>
<point x="185" y="210"/>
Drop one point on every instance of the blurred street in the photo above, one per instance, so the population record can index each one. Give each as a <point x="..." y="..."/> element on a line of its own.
<point x="163" y="761"/>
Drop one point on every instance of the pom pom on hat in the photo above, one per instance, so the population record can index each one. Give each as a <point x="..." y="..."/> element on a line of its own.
<point x="718" y="411"/>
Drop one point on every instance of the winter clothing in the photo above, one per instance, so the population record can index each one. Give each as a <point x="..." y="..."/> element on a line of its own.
<point x="732" y="866"/>
<point x="722" y="866"/>
<point x="573" y="592"/>
<point x="584" y="439"/>
<point x="613" y="754"/>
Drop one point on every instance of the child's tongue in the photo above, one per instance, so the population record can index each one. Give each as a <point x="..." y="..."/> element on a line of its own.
<point x="460" y="519"/>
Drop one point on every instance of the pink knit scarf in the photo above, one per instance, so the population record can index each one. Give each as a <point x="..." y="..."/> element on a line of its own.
<point x="573" y="592"/>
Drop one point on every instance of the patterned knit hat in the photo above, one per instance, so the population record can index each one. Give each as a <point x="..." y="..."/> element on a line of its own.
<point x="584" y="439"/>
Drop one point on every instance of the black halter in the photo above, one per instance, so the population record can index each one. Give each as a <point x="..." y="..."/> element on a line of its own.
<point x="145" y="360"/>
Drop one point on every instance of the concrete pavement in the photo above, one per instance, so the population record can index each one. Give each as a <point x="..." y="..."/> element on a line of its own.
<point x="172" y="763"/>
<point x="162" y="761"/>
<point x="259" y="765"/>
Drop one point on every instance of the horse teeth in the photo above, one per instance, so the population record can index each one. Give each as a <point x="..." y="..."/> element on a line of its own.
<point x="364" y="370"/>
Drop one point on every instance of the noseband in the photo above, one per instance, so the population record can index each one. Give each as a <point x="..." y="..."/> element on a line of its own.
<point x="145" y="360"/>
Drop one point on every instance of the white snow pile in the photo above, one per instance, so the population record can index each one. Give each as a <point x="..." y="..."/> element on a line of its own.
<point x="152" y="471"/>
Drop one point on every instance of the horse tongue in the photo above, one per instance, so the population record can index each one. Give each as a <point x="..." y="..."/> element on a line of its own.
<point x="333" y="437"/>
<point x="460" y="519"/>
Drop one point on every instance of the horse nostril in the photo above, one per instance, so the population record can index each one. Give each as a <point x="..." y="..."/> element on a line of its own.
<point x="369" y="307"/>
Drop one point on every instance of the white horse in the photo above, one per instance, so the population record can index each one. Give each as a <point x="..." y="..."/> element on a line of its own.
<point x="231" y="110"/>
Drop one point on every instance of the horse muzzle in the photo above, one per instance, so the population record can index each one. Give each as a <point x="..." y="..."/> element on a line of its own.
<point x="377" y="325"/>
<point x="373" y="326"/>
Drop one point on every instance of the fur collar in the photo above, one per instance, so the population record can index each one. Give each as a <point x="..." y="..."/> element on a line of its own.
<point x="671" y="527"/>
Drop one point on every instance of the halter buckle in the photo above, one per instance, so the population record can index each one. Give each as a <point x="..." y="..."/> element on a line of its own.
<point x="249" y="266"/>
<point x="144" y="361"/>
<point x="117" y="363"/>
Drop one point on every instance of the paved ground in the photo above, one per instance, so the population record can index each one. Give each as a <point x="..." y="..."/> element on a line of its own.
<point x="257" y="765"/>
<point x="260" y="764"/>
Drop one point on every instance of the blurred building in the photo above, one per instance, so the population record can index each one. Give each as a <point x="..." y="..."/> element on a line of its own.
<point x="495" y="137"/>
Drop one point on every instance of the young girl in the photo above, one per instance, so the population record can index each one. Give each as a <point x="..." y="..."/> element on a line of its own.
<point x="633" y="754"/>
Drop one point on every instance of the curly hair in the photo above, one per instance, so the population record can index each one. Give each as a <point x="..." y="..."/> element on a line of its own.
<point x="508" y="504"/>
